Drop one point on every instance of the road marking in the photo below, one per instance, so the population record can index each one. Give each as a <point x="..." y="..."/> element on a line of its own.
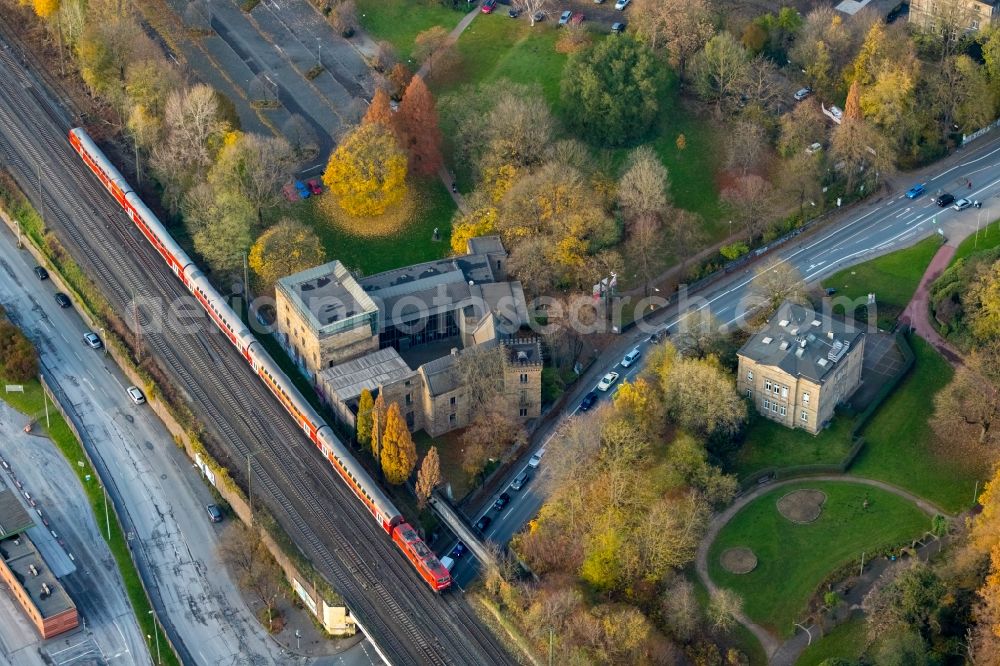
<point x="903" y="213"/>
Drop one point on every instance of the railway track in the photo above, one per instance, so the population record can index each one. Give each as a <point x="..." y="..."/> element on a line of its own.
<point x="406" y="619"/>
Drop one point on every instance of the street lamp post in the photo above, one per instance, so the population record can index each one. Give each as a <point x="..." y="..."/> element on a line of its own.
<point x="104" y="340"/>
<point x="319" y="52"/>
<point x="156" y="634"/>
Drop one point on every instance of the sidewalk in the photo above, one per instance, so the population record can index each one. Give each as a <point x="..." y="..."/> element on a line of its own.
<point x="917" y="313"/>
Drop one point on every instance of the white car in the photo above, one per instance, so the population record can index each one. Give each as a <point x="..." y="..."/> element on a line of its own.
<point x="813" y="148"/>
<point x="606" y="381"/>
<point x="135" y="395"/>
<point x="631" y="357"/>
<point x="622" y="4"/>
<point x="962" y="204"/>
<point x="92" y="340"/>
<point x="536" y="459"/>
<point x="802" y="93"/>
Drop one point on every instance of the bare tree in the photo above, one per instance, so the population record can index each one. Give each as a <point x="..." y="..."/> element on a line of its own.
<point x="243" y="550"/>
<point x="862" y="152"/>
<point x="970" y="404"/>
<point x="429" y="476"/>
<point x="801" y="177"/>
<point x="300" y="136"/>
<point x="686" y="233"/>
<point x="680" y="27"/>
<point x="801" y="127"/>
<point x="645" y="242"/>
<point x="256" y="166"/>
<point x="724" y="607"/>
<point x="720" y="70"/>
<point x="643" y="188"/>
<point x="532" y="7"/>
<point x="745" y="144"/>
<point x="480" y="370"/>
<point x="776" y="282"/>
<point x="762" y="85"/>
<point x="750" y="199"/>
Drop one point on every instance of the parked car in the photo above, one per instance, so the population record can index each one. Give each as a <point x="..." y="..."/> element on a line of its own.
<point x="835" y="113"/>
<point x="489" y="6"/>
<point x="513" y="13"/>
<point x="660" y="335"/>
<point x="214" y="513"/>
<point x="802" y="93"/>
<point x="813" y="148"/>
<point x="290" y="193"/>
<point x="617" y="28"/>
<point x="830" y="291"/>
<point x="565" y="17"/>
<point x="622" y="4"/>
<point x="962" y="204"/>
<point x="315" y="187"/>
<point x="606" y="381"/>
<point x="915" y="191"/>
<point x="41" y="273"/>
<point x="63" y="300"/>
<point x="631" y="357"/>
<point x="539" y="16"/>
<point x="588" y="401"/>
<point x="135" y="395"/>
<point x="945" y="199"/>
<point x="536" y="459"/>
<point x="502" y="501"/>
<point x="483" y="523"/>
<point x="92" y="340"/>
<point x="458" y="550"/>
<point x="302" y="189"/>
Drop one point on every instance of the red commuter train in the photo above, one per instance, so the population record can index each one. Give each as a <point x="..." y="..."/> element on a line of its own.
<point x="318" y="431"/>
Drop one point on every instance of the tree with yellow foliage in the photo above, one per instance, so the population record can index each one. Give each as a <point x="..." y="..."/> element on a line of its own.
<point x="364" y="420"/>
<point x="367" y="172"/>
<point x="399" y="455"/>
<point x="428" y="477"/>
<point x="378" y="427"/>
<point x="286" y="248"/>
<point x="45" y="8"/>
<point x="479" y="222"/>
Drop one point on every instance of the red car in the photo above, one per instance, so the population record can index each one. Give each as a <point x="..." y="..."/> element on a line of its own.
<point x="315" y="187"/>
<point x="489" y="6"/>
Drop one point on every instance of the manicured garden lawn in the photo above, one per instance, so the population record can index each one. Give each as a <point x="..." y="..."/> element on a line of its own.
<point x="893" y="277"/>
<point x="989" y="237"/>
<point x="739" y="636"/>
<point x="769" y="444"/>
<point x="372" y="255"/>
<point x="793" y="559"/>
<point x="400" y="22"/>
<point x="846" y="641"/>
<point x="902" y="449"/>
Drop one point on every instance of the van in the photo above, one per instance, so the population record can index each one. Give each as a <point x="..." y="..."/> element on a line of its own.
<point x="214" y="514"/>
<point x="447" y="562"/>
<point x="519" y="480"/>
<point x="630" y="357"/>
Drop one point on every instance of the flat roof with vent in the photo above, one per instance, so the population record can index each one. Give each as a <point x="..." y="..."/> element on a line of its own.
<point x="799" y="351"/>
<point x="46" y="593"/>
<point x="327" y="296"/>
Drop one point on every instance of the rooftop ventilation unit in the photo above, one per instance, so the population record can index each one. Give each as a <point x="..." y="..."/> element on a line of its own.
<point x="783" y="323"/>
<point x="829" y="335"/>
<point x="522" y="356"/>
<point x="802" y="344"/>
<point x="799" y="352"/>
<point x="794" y="330"/>
<point x="815" y="322"/>
<point x="811" y="338"/>
<point x="784" y="345"/>
<point x="767" y="340"/>
<point x="46" y="591"/>
<point x="33" y="569"/>
<point x="838" y="350"/>
<point x="822" y="362"/>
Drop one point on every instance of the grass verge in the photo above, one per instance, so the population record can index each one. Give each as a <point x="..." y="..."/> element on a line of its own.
<point x="769" y="444"/>
<point x="412" y="243"/>
<point x="793" y="558"/>
<point x="903" y="449"/>
<point x="399" y="23"/>
<point x="988" y="237"/>
<point x="893" y="277"/>
<point x="846" y="641"/>
<point x="31" y="403"/>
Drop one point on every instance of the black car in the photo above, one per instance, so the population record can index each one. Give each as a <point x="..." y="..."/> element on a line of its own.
<point x="501" y="502"/>
<point x="457" y="551"/>
<point x="618" y="28"/>
<point x="945" y="199"/>
<point x="41" y="273"/>
<point x="63" y="300"/>
<point x="513" y="13"/>
<point x="588" y="401"/>
<point x="483" y="523"/>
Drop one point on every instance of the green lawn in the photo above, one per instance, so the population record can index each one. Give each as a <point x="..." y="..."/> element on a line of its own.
<point x="893" y="277"/>
<point x="435" y="208"/>
<point x="400" y="22"/>
<point x="988" y="237"/>
<point x="901" y="446"/>
<point x="32" y="403"/>
<point x="846" y="641"/>
<point x="794" y="559"/>
<point x="769" y="444"/>
<point x="739" y="636"/>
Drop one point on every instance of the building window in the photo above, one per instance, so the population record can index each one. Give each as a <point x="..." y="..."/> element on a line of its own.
<point x="749" y="375"/>
<point x="804" y="416"/>
<point x="409" y="399"/>
<point x="524" y="378"/>
<point x="767" y="384"/>
<point x="523" y="412"/>
<point x="776" y="389"/>
<point x="409" y="419"/>
<point x="784" y="392"/>
<point x="749" y="393"/>
<point x="782" y="410"/>
<point x="805" y="398"/>
<point x="451" y="419"/>
<point x="774" y="407"/>
<point x="453" y="401"/>
<point x="767" y="404"/>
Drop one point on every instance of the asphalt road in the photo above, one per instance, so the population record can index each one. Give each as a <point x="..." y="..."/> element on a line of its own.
<point x="887" y="223"/>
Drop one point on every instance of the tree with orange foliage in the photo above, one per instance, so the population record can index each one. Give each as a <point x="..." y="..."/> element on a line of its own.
<point x="380" y="111"/>
<point x="418" y="124"/>
<point x="428" y="477"/>
<point x="399" y="455"/>
<point x="399" y="78"/>
<point x="852" y="108"/>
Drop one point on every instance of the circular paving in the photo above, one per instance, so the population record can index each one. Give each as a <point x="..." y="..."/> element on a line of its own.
<point x="738" y="560"/>
<point x="802" y="506"/>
